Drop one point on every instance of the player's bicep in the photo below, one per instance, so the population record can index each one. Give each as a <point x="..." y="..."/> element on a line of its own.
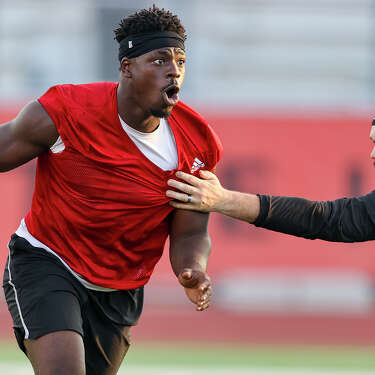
<point x="188" y="223"/>
<point x="27" y="136"/>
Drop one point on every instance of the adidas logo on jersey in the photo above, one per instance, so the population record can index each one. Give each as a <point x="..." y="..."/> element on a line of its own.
<point x="196" y="165"/>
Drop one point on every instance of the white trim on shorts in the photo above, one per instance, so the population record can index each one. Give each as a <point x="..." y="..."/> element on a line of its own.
<point x="16" y="298"/>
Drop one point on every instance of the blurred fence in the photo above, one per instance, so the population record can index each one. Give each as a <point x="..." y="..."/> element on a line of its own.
<point x="239" y="53"/>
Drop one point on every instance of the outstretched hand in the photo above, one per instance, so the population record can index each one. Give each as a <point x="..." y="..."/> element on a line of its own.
<point x="197" y="286"/>
<point x="201" y="194"/>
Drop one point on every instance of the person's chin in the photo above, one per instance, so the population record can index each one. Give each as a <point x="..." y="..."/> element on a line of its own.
<point x="161" y="112"/>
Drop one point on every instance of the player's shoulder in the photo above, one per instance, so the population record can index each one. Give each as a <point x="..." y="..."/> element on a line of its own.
<point x="85" y="88"/>
<point x="189" y="117"/>
<point x="78" y="95"/>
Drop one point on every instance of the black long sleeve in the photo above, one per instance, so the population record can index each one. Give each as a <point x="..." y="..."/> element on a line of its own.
<point x="341" y="220"/>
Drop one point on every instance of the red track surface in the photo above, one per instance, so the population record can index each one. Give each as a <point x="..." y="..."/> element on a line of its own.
<point x="216" y="325"/>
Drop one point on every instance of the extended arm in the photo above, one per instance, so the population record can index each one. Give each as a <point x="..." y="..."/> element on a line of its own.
<point x="342" y="220"/>
<point x="27" y="136"/>
<point x="190" y="247"/>
<point x="206" y="194"/>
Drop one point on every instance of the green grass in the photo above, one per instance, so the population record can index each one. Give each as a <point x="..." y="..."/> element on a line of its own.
<point x="9" y="352"/>
<point x="252" y="356"/>
<point x="233" y="355"/>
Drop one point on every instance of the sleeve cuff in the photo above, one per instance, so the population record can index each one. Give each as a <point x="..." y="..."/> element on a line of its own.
<point x="264" y="209"/>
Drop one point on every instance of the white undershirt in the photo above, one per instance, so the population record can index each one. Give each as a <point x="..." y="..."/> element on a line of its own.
<point x="158" y="146"/>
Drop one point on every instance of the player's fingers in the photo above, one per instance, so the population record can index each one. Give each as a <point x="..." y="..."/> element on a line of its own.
<point x="203" y="306"/>
<point x="204" y="286"/>
<point x="207" y="292"/>
<point x="180" y="186"/>
<point x="189" y="178"/>
<point x="183" y="206"/>
<point x="189" y="189"/>
<point x="183" y="197"/>
<point x="206" y="295"/>
<point x="207" y="175"/>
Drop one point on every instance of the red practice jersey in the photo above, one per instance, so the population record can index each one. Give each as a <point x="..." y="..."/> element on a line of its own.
<point x="100" y="204"/>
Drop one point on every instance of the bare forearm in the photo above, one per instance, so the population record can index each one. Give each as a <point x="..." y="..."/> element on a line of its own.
<point x="190" y="248"/>
<point x="190" y="252"/>
<point x="240" y="206"/>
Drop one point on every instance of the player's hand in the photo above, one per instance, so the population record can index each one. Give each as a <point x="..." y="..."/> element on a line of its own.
<point x="197" y="286"/>
<point x="201" y="194"/>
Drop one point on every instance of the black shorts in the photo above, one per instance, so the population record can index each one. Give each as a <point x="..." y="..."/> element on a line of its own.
<point x="43" y="297"/>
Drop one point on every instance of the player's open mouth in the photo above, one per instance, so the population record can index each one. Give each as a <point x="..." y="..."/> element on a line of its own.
<point x="170" y="95"/>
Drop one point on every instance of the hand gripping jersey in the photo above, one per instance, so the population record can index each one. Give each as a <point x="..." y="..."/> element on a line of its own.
<point x="100" y="204"/>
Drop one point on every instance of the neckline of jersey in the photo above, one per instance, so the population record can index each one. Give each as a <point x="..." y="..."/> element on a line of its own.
<point x="145" y="159"/>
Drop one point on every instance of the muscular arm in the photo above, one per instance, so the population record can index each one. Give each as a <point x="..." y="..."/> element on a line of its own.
<point x="31" y="133"/>
<point x="190" y="247"/>
<point x="190" y="244"/>
<point x="341" y="220"/>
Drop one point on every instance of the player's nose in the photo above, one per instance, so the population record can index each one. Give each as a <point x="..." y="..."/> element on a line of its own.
<point x="173" y="70"/>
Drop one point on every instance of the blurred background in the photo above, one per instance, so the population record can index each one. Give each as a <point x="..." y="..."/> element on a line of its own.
<point x="289" y="86"/>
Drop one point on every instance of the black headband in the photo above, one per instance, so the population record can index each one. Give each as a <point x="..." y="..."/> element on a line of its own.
<point x="139" y="44"/>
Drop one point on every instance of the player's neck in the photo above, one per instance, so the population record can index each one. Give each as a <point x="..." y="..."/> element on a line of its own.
<point x="133" y="114"/>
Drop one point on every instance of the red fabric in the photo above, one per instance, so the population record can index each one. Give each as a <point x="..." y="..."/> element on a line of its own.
<point x="101" y="204"/>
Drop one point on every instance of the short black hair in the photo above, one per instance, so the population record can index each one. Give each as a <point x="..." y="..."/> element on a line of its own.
<point x="149" y="20"/>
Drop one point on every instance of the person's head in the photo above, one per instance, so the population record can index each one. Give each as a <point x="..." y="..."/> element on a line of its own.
<point x="152" y="58"/>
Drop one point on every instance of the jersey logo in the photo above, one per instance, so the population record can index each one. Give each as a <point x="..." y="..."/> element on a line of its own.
<point x="196" y="165"/>
<point x="130" y="44"/>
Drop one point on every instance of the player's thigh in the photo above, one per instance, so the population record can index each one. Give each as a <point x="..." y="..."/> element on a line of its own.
<point x="57" y="353"/>
<point x="106" y="345"/>
<point x="107" y="319"/>
<point x="45" y="302"/>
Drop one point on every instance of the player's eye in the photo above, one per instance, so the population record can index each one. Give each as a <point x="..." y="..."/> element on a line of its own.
<point x="159" y="61"/>
<point x="181" y="62"/>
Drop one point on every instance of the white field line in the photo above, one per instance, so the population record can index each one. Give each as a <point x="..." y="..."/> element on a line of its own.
<point x="25" y="369"/>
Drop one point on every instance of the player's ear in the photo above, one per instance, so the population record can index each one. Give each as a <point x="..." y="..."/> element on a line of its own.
<point x="125" y="67"/>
